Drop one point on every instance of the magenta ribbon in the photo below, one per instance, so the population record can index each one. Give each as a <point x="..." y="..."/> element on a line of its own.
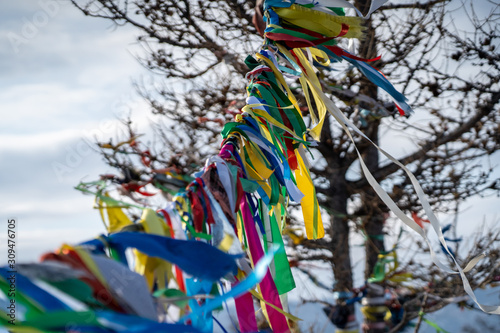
<point x="246" y="313"/>
<point x="270" y="294"/>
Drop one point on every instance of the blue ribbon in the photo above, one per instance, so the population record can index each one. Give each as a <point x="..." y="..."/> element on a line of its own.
<point x="193" y="257"/>
<point x="28" y="288"/>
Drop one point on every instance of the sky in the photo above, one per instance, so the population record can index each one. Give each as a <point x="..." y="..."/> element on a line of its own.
<point x="64" y="79"/>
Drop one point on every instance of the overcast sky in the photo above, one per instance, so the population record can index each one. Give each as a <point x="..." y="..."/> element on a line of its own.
<point x="65" y="77"/>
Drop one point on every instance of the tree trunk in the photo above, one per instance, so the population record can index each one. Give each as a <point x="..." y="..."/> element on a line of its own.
<point x="374" y="222"/>
<point x="339" y="232"/>
<point x="372" y="207"/>
<point x="373" y="303"/>
<point x="337" y="205"/>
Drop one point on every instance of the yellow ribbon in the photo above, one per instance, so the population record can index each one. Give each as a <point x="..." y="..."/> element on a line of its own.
<point x="148" y="266"/>
<point x="310" y="82"/>
<point x="117" y="219"/>
<point x="320" y="22"/>
<point x="286" y="314"/>
<point x="309" y="203"/>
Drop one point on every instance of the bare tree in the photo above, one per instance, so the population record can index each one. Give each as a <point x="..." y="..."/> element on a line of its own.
<point x="442" y="54"/>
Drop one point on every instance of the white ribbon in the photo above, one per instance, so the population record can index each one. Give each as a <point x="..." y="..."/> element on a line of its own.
<point x="344" y="122"/>
<point x="323" y="4"/>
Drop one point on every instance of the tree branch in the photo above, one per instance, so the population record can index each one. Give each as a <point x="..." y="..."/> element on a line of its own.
<point x="389" y="169"/>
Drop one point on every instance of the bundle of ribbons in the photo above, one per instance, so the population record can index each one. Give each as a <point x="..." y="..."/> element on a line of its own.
<point x="220" y="237"/>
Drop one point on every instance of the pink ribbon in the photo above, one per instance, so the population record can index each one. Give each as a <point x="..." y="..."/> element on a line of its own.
<point x="270" y="294"/>
<point x="246" y="313"/>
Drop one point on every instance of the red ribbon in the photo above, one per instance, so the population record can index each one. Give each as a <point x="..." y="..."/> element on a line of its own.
<point x="178" y="271"/>
<point x="134" y="187"/>
<point x="210" y="218"/>
<point x="99" y="291"/>
<point x="196" y="210"/>
<point x="340" y="52"/>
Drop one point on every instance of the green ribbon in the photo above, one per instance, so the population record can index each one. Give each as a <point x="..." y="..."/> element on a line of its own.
<point x="433" y="324"/>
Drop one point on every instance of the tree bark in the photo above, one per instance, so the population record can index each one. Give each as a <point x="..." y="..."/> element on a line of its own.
<point x="371" y="204"/>
<point x="339" y="232"/>
<point x="374" y="221"/>
<point x="337" y="204"/>
<point x="372" y="208"/>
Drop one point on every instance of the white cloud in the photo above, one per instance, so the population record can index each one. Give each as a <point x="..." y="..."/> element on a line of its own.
<point x="35" y="241"/>
<point x="67" y="83"/>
